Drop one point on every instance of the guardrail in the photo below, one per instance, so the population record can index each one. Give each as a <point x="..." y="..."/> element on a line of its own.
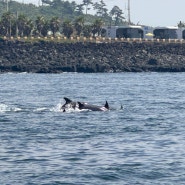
<point x="93" y="39"/>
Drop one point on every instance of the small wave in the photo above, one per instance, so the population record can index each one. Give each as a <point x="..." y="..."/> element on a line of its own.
<point x="41" y="109"/>
<point x="9" y="108"/>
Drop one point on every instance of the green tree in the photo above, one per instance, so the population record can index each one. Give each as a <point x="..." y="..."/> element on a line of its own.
<point x="21" y="24"/>
<point x="67" y="28"/>
<point x="29" y="27"/>
<point x="79" y="24"/>
<point x="40" y="24"/>
<point x="181" y="24"/>
<point x="79" y="9"/>
<point x="116" y="14"/>
<point x="97" y="27"/>
<point x="46" y="28"/>
<point x="47" y="2"/>
<point x="87" y="30"/>
<point x="55" y="25"/>
<point x="56" y="3"/>
<point x="7" y="21"/>
<point x="101" y="9"/>
<point x="69" y="8"/>
<point x="87" y="3"/>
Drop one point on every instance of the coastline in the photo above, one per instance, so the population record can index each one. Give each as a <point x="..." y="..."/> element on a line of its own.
<point x="87" y="57"/>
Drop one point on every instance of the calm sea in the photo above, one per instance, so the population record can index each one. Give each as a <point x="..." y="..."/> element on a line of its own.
<point x="142" y="144"/>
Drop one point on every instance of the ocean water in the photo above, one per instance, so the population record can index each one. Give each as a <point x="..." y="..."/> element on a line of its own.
<point x="142" y="144"/>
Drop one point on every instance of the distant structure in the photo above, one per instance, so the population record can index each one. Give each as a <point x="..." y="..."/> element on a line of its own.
<point x="143" y="32"/>
<point x="131" y="31"/>
<point x="129" y="21"/>
<point x="7" y="5"/>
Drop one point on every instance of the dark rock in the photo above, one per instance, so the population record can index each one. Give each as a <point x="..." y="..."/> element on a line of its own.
<point x="153" y="61"/>
<point x="51" y="57"/>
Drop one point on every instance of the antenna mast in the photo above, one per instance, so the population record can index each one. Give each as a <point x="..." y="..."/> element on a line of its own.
<point x="7" y="6"/>
<point x="129" y="22"/>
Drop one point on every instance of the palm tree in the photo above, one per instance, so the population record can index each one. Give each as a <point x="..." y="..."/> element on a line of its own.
<point x="29" y="27"/>
<point x="21" y="24"/>
<point x="79" y="24"/>
<point x="54" y="25"/>
<point x="97" y="27"/>
<point x="40" y="22"/>
<point x="7" y="20"/>
<point x="45" y="28"/>
<point x="67" y="28"/>
<point x="87" y="30"/>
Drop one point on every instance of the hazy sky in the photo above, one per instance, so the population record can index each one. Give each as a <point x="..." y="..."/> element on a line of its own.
<point x="147" y="12"/>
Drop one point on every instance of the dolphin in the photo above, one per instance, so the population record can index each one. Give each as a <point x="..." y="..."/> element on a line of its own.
<point x="68" y="104"/>
<point x="86" y="106"/>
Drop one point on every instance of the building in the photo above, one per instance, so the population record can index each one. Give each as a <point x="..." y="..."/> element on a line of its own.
<point x="123" y="32"/>
<point x="143" y="32"/>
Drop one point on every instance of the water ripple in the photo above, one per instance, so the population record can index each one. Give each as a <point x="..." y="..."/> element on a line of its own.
<point x="141" y="144"/>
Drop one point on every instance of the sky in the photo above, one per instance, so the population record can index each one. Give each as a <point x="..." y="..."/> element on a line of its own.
<point x="146" y="12"/>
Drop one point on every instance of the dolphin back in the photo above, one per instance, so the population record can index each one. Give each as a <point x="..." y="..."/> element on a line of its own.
<point x="80" y="105"/>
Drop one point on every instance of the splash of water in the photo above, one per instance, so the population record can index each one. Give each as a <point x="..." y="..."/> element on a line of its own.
<point x="8" y="108"/>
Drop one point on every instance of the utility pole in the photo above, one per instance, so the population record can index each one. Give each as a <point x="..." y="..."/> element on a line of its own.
<point x="129" y="21"/>
<point x="7" y="6"/>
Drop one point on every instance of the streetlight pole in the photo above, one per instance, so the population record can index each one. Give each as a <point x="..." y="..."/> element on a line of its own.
<point x="129" y="21"/>
<point x="7" y="6"/>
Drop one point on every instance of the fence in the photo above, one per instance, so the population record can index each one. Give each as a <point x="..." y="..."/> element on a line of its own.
<point x="92" y="39"/>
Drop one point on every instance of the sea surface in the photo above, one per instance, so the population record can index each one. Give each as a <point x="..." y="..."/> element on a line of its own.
<point x="142" y="144"/>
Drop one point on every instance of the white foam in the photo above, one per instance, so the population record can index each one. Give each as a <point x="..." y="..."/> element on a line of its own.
<point x="57" y="108"/>
<point x="3" y="108"/>
<point x="16" y="109"/>
<point x="41" y="109"/>
<point x="9" y="108"/>
<point x="69" y="109"/>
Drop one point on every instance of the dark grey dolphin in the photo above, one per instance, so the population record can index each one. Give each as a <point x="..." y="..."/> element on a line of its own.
<point x="68" y="104"/>
<point x="85" y="106"/>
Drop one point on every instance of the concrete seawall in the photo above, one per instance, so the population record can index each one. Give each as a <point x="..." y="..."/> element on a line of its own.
<point x="53" y="57"/>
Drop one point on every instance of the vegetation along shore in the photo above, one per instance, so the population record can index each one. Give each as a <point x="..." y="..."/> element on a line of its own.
<point x="20" y="22"/>
<point x="90" y="57"/>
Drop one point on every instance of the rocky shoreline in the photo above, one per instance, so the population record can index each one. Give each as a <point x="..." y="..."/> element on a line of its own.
<point x="53" y="57"/>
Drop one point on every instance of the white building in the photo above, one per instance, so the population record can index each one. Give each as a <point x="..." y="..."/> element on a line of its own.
<point x="143" y="32"/>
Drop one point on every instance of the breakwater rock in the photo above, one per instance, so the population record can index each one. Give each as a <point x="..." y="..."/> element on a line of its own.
<point x="53" y="57"/>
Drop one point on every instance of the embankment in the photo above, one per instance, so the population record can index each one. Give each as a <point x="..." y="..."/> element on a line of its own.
<point x="53" y="57"/>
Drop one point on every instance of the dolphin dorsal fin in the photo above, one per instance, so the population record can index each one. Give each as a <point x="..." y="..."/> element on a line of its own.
<point x="106" y="105"/>
<point x="67" y="100"/>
